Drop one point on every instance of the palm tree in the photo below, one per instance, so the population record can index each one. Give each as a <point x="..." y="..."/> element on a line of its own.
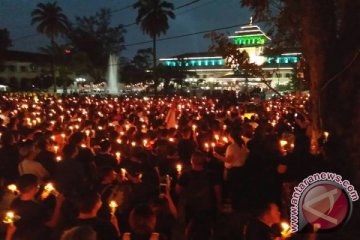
<point x="153" y="18"/>
<point x="52" y="22"/>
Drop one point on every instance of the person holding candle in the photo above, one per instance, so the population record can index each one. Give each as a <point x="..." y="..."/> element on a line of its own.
<point x="104" y="158"/>
<point x="201" y="192"/>
<point x="260" y="228"/>
<point x="35" y="220"/>
<point x="89" y="203"/>
<point x="234" y="161"/>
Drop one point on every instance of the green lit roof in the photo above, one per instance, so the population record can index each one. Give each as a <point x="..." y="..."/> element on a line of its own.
<point x="250" y="35"/>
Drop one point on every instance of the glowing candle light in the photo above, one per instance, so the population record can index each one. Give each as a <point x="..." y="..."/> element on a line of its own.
<point x="49" y="188"/>
<point x="123" y="173"/>
<point x="118" y="155"/>
<point x="213" y="146"/>
<point x="56" y="149"/>
<point x="113" y="205"/>
<point x="83" y="145"/>
<point x="206" y="145"/>
<point x="283" y="143"/>
<point x="58" y="158"/>
<point x="145" y="142"/>
<point x="225" y="139"/>
<point x="133" y="144"/>
<point x="286" y="230"/>
<point x="118" y="141"/>
<point x="224" y="127"/>
<point x="171" y="140"/>
<point x="194" y="127"/>
<point x="53" y="137"/>
<point x="9" y="217"/>
<point x="179" y="168"/>
<point x="13" y="188"/>
<point x="217" y="137"/>
<point x="326" y="136"/>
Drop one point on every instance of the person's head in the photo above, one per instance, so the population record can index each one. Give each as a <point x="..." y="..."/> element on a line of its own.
<point x="269" y="213"/>
<point x="42" y="144"/>
<point x="70" y="151"/>
<point x="79" y="233"/>
<point x="76" y="138"/>
<point x="7" y="138"/>
<point x="235" y="137"/>
<point x="89" y="202"/>
<point x="27" y="150"/>
<point x="198" y="160"/>
<point x="28" y="184"/>
<point x="105" y="146"/>
<point x="142" y="220"/>
<point x="186" y="133"/>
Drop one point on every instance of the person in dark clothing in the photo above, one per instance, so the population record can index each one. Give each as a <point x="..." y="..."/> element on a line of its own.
<point x="35" y="221"/>
<point x="260" y="228"/>
<point x="70" y="175"/>
<point x="9" y="159"/>
<point x="104" y="158"/>
<point x="186" y="146"/>
<point x="89" y="204"/>
<point x="46" y="157"/>
<point x="202" y="195"/>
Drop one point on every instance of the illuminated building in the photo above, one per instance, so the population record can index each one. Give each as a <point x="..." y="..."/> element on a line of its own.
<point x="216" y="74"/>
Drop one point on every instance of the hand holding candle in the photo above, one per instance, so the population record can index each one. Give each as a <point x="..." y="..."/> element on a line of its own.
<point x="286" y="230"/>
<point x="13" y="188"/>
<point x="113" y="205"/>
<point x="50" y="189"/>
<point x="179" y="168"/>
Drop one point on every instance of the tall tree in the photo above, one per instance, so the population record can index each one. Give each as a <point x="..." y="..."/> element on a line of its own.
<point x="94" y="39"/>
<point x="153" y="16"/>
<point x="52" y="22"/>
<point x="327" y="33"/>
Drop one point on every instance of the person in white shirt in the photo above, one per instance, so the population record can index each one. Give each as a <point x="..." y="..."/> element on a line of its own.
<point x="234" y="160"/>
<point x="28" y="165"/>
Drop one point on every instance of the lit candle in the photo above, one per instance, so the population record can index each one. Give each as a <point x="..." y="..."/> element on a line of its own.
<point x="113" y="205"/>
<point x="87" y="132"/>
<point x="56" y="148"/>
<point x="194" y="127"/>
<point x="171" y="140"/>
<point x="118" y="141"/>
<point x="58" y="158"/>
<point x="145" y="142"/>
<point x="133" y="144"/>
<point x="286" y="230"/>
<point x="326" y="136"/>
<point x="283" y="143"/>
<point x="9" y="217"/>
<point x="123" y="173"/>
<point x="118" y="155"/>
<point x="217" y="137"/>
<point x="213" y="146"/>
<point x="49" y="188"/>
<point x="206" y="145"/>
<point x="83" y="145"/>
<point x="179" y="168"/>
<point x="225" y="139"/>
<point x="13" y="188"/>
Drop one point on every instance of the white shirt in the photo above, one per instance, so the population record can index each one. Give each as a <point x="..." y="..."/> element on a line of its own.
<point x="235" y="156"/>
<point x="32" y="167"/>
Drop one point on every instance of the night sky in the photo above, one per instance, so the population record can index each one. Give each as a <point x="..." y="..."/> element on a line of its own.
<point x="203" y="15"/>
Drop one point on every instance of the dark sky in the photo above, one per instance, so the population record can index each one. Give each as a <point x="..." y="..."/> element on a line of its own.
<point x="200" y="16"/>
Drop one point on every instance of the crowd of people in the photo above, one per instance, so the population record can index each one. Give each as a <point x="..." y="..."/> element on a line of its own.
<point x="82" y="167"/>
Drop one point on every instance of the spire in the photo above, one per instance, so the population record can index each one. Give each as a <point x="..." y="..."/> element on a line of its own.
<point x="251" y="20"/>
